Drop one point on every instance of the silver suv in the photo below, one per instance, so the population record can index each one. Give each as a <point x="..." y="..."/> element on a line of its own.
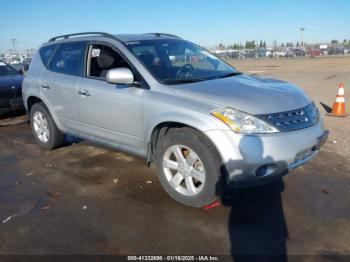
<point x="201" y="122"/>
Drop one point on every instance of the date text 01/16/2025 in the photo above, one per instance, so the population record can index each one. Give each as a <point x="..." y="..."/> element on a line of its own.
<point x="173" y="258"/>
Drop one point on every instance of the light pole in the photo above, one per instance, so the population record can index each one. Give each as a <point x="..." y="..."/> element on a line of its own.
<point x="14" y="43"/>
<point x="302" y="36"/>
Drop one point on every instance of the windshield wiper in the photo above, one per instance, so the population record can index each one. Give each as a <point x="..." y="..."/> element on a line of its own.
<point x="192" y="80"/>
<point x="230" y="74"/>
<point x="183" y="81"/>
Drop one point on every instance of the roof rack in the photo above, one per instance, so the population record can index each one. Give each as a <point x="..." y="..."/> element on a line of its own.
<point x="84" y="33"/>
<point x="164" y="34"/>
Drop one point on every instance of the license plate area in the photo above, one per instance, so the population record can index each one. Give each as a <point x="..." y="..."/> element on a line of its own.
<point x="304" y="154"/>
<point x="308" y="153"/>
<point x="321" y="140"/>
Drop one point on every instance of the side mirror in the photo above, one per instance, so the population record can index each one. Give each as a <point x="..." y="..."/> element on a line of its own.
<point x="121" y="75"/>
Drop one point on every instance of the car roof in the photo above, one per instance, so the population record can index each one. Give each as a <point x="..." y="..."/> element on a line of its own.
<point x="148" y="36"/>
<point x="119" y="37"/>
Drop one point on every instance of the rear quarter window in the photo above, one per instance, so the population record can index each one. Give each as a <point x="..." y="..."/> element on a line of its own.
<point x="69" y="58"/>
<point x="46" y="53"/>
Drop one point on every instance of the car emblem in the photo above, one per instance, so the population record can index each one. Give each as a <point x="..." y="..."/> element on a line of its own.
<point x="13" y="87"/>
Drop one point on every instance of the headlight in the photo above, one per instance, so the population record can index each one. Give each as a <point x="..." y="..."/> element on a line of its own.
<point x="241" y="122"/>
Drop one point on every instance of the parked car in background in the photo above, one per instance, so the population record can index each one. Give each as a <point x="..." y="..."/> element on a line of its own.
<point x="10" y="88"/>
<point x="202" y="123"/>
<point x="336" y="51"/>
<point x="280" y="53"/>
<point x="26" y="63"/>
<point x="18" y="66"/>
<point x="269" y="53"/>
<point x="314" y="52"/>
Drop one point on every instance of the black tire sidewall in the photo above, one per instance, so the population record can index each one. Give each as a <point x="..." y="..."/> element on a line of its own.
<point x="197" y="142"/>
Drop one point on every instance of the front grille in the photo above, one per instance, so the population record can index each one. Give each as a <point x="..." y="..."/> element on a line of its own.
<point x="293" y="120"/>
<point x="11" y="93"/>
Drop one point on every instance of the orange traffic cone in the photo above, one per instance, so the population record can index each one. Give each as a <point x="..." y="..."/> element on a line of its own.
<point x="339" y="104"/>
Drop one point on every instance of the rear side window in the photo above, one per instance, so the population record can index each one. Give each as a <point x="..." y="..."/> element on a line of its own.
<point x="46" y="53"/>
<point x="69" y="58"/>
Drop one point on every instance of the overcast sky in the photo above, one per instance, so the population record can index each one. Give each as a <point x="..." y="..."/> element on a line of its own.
<point x="206" y="22"/>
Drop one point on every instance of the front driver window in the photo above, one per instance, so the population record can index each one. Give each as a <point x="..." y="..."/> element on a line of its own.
<point x="103" y="58"/>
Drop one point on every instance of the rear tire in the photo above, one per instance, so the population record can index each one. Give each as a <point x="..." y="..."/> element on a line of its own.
<point x="192" y="180"/>
<point x="44" y="129"/>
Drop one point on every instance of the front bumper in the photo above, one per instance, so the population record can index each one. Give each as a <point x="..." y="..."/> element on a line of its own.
<point x="252" y="160"/>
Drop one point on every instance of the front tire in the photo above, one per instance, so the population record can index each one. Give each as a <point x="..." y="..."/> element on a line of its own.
<point x="188" y="166"/>
<point x="44" y="129"/>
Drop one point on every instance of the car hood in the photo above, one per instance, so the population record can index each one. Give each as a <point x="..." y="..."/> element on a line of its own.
<point x="251" y="94"/>
<point x="7" y="82"/>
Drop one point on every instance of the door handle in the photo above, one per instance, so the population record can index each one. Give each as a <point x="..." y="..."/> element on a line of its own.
<point x="44" y="86"/>
<point x="84" y="93"/>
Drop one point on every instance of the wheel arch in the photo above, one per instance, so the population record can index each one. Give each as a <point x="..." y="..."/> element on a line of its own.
<point x="161" y="129"/>
<point x="32" y="100"/>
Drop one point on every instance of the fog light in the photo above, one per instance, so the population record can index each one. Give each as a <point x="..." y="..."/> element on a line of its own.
<point x="261" y="171"/>
<point x="265" y="170"/>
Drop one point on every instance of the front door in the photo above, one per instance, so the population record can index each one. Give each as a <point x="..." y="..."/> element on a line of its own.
<point x="109" y="112"/>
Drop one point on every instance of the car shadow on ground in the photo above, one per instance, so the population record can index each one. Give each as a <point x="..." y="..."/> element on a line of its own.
<point x="256" y="226"/>
<point x="11" y="114"/>
<point x="256" y="223"/>
<point x="18" y="117"/>
<point x="12" y="118"/>
<point x="71" y="140"/>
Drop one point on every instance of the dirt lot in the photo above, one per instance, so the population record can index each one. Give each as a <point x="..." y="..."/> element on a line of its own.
<point x="84" y="199"/>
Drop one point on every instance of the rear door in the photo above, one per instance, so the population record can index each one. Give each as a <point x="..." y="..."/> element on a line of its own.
<point x="59" y="83"/>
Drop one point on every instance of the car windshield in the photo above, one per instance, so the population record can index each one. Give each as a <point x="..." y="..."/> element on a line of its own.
<point x="174" y="61"/>
<point x="6" y="70"/>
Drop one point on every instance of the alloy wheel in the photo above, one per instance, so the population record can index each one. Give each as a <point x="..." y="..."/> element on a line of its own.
<point x="184" y="170"/>
<point x="41" y="127"/>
